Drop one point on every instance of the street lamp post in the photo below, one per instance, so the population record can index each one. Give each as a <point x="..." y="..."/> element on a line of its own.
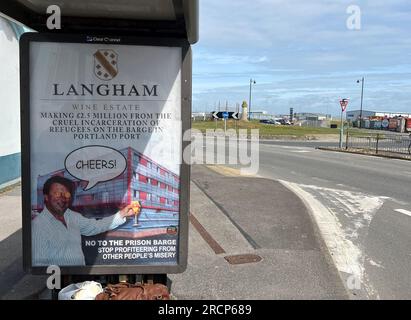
<point x="249" y="100"/>
<point x="343" y="104"/>
<point x="362" y="95"/>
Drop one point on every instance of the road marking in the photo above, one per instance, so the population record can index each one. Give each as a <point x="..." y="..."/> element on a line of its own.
<point x="340" y="241"/>
<point x="346" y="255"/>
<point x="406" y="212"/>
<point x="229" y="171"/>
<point x="401" y="203"/>
<point x="375" y="264"/>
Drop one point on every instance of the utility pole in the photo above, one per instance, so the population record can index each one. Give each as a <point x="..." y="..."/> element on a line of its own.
<point x="215" y="107"/>
<point x="249" y="100"/>
<point x="225" y="120"/>
<point x="362" y="96"/>
<point x="343" y="104"/>
<point x="238" y="112"/>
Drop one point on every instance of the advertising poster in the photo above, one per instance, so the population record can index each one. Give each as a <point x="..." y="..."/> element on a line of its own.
<point x="105" y="154"/>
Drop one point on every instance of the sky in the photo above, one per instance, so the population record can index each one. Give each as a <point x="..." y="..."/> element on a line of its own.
<point x="302" y="55"/>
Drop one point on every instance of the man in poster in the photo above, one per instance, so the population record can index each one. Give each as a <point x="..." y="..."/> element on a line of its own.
<point x="57" y="230"/>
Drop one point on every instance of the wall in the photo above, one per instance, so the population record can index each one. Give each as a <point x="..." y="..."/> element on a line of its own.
<point x="354" y="115"/>
<point x="9" y="104"/>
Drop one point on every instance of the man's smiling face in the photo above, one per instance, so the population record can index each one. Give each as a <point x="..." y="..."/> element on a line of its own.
<point x="58" y="199"/>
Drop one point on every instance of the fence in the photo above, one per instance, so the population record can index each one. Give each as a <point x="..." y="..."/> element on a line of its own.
<point x="384" y="144"/>
<point x="316" y="123"/>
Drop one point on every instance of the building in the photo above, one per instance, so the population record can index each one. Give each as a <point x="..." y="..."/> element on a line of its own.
<point x="202" y="116"/>
<point x="259" y="115"/>
<point x="311" y="116"/>
<point x="144" y="180"/>
<point x="354" y="115"/>
<point x="10" y="155"/>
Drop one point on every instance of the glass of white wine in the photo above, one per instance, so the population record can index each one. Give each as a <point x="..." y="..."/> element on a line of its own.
<point x="136" y="206"/>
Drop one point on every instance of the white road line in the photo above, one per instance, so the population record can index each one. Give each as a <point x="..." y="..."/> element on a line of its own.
<point x="406" y="212"/>
<point x="375" y="264"/>
<point x="346" y="255"/>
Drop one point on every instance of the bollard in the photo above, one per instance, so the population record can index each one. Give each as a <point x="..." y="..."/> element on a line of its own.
<point x="346" y="140"/>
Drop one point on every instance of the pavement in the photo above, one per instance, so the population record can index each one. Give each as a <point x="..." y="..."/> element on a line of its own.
<point x="230" y="215"/>
<point x="14" y="283"/>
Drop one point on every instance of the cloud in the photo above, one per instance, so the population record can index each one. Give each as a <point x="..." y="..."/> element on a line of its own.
<point x="228" y="59"/>
<point x="300" y="52"/>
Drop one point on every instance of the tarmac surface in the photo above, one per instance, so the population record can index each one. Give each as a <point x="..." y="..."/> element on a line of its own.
<point x="230" y="215"/>
<point x="254" y="216"/>
<point x="366" y="201"/>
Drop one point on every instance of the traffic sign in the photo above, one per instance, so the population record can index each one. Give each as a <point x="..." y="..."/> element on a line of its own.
<point x="225" y="115"/>
<point x="343" y="103"/>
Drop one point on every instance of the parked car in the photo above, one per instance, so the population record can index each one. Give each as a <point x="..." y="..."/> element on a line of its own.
<point x="285" y="122"/>
<point x="269" y="121"/>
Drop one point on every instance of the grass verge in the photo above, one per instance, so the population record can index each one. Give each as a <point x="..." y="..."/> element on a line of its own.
<point x="268" y="130"/>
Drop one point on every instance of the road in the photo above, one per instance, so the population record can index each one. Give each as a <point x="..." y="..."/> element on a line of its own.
<point x="368" y="201"/>
<point x="362" y="206"/>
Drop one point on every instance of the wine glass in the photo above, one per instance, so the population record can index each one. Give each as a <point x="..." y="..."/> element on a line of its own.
<point x="136" y="206"/>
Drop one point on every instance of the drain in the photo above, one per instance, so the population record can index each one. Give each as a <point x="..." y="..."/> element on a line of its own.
<point x="242" y="258"/>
